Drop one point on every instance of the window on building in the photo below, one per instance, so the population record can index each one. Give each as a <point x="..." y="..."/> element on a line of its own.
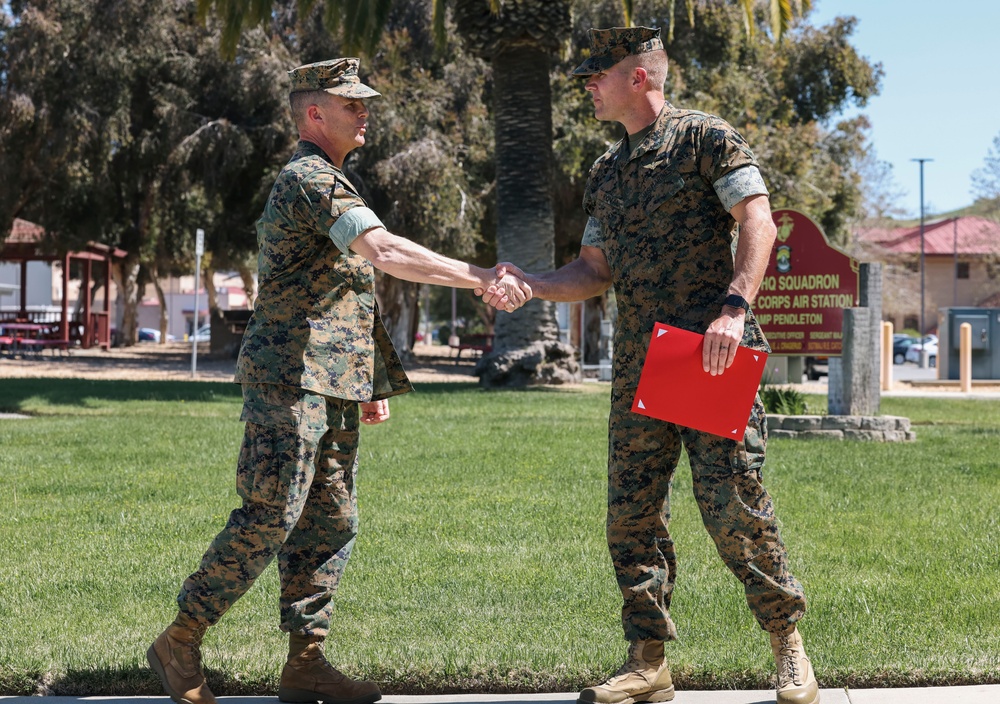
<point x="962" y="270"/>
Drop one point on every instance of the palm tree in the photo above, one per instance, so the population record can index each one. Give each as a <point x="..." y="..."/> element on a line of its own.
<point x="781" y="14"/>
<point x="519" y="39"/>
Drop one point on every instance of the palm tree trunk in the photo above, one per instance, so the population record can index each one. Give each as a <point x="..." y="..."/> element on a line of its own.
<point x="525" y="226"/>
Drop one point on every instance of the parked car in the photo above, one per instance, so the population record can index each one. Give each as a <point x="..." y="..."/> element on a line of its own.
<point x="815" y="367"/>
<point x="917" y="349"/>
<point x="152" y="335"/>
<point x="900" y="344"/>
<point x="202" y="334"/>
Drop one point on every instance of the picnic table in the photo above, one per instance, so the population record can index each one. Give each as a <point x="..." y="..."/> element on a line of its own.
<point x="29" y="338"/>
<point x="481" y="343"/>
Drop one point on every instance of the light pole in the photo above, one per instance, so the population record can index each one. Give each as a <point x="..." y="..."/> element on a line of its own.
<point x="921" y="161"/>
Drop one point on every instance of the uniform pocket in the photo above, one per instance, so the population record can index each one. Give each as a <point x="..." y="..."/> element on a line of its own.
<point x="665" y="187"/>
<point x="609" y="210"/>
<point x="283" y="425"/>
<point x="267" y="455"/>
<point x="748" y="455"/>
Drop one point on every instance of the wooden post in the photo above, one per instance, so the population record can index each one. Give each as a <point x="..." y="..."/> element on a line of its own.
<point x="886" y="356"/>
<point x="964" y="357"/>
<point x="23" y="312"/>
<point x="90" y="337"/>
<point x="64" y="332"/>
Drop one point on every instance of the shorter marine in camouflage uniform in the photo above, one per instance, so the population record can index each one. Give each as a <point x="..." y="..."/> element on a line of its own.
<point x="663" y="203"/>
<point x="316" y="362"/>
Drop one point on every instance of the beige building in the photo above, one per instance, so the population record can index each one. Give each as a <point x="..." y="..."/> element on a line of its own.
<point x="961" y="268"/>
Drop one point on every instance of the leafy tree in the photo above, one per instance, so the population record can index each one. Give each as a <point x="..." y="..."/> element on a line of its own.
<point x="166" y="137"/>
<point x="986" y="182"/>
<point x="55" y="99"/>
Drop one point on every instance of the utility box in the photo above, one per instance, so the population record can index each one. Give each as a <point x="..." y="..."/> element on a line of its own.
<point x="985" y="324"/>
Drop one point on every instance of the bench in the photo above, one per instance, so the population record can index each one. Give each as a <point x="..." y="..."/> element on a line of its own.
<point x="36" y="346"/>
<point x="478" y="342"/>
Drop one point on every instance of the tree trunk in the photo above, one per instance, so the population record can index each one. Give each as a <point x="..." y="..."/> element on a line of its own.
<point x="397" y="300"/>
<point x="249" y="285"/>
<point x="208" y="281"/>
<point x="525" y="224"/>
<point x="129" y="301"/>
<point x="593" y="315"/>
<point x="164" y="313"/>
<point x="526" y="348"/>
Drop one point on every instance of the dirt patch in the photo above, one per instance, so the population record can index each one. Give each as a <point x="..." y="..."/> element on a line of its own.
<point x="172" y="361"/>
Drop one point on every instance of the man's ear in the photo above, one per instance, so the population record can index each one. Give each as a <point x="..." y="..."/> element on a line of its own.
<point x="314" y="113"/>
<point x="639" y="77"/>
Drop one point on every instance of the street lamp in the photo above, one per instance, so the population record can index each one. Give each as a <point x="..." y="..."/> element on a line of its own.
<point x="921" y="161"/>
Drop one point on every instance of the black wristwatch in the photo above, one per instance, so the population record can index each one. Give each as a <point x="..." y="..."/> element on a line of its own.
<point x="737" y="302"/>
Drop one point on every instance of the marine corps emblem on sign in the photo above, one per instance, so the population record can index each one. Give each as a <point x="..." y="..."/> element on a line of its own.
<point x="786" y="223"/>
<point x="783" y="259"/>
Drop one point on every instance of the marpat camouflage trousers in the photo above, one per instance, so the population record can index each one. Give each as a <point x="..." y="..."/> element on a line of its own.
<point x="735" y="508"/>
<point x="296" y="477"/>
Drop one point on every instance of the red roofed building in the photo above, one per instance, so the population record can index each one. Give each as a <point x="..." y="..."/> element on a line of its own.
<point x="961" y="267"/>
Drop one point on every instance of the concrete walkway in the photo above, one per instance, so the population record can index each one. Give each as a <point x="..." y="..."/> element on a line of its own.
<point x="977" y="694"/>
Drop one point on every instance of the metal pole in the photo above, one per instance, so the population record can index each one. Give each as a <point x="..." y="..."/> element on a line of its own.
<point x="921" y="161"/>
<point x="453" y="339"/>
<point x="199" y="249"/>
<point x="954" y="247"/>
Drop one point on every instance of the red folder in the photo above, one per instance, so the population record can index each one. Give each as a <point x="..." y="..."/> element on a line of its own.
<point x="674" y="387"/>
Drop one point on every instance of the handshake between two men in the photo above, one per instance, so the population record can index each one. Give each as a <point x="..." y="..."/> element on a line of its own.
<point x="508" y="291"/>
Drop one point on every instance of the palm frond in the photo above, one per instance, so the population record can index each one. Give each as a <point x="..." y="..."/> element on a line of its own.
<point x="748" y="23"/>
<point x="438" y="19"/>
<point x="781" y="18"/>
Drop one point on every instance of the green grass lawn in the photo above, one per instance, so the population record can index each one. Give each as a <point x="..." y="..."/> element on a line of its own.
<point x="481" y="563"/>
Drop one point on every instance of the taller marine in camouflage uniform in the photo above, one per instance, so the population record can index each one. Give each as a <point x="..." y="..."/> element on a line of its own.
<point x="664" y="203"/>
<point x="315" y="363"/>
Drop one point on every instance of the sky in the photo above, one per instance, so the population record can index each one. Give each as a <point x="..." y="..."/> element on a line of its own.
<point x="940" y="95"/>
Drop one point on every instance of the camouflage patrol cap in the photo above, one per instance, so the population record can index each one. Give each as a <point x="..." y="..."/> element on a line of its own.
<point x="609" y="46"/>
<point x="336" y="76"/>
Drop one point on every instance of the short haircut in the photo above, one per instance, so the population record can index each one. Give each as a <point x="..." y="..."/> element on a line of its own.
<point x="654" y="63"/>
<point x="300" y="101"/>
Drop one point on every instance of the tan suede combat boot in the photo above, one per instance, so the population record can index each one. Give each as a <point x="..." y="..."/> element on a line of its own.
<point x="796" y="679"/>
<point x="644" y="677"/>
<point x="176" y="657"/>
<point x="308" y="677"/>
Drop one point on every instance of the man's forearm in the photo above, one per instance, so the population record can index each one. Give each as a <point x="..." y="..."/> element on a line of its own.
<point x="753" y="250"/>
<point x="585" y="277"/>
<point x="410" y="261"/>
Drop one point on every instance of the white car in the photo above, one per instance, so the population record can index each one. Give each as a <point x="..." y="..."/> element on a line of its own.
<point x="914" y="352"/>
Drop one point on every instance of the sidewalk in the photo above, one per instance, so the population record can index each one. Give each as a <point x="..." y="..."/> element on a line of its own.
<point x="976" y="694"/>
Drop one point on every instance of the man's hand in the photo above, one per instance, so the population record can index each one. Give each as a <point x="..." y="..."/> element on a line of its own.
<point x="508" y="291"/>
<point x="373" y="412"/>
<point x="721" y="340"/>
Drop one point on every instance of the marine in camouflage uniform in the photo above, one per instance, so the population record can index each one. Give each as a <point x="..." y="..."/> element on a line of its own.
<point x="661" y="205"/>
<point x="315" y="362"/>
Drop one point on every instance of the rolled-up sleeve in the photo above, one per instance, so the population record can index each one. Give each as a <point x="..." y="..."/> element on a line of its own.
<point x="352" y="223"/>
<point x="593" y="233"/>
<point x="739" y="184"/>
